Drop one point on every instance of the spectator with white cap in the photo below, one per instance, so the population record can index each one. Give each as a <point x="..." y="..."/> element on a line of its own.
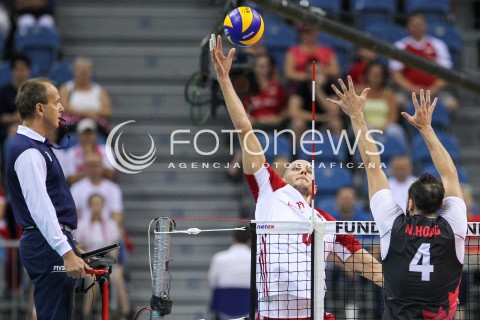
<point x="87" y="144"/>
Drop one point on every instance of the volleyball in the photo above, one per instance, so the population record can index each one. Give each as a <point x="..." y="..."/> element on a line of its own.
<point x="243" y="26"/>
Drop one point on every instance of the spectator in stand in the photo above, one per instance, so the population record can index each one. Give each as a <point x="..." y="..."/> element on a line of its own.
<point x="33" y="13"/>
<point x="9" y="116"/>
<point x="381" y="107"/>
<point x="298" y="57"/>
<point x="267" y="110"/>
<point x="5" y="23"/>
<point x="418" y="42"/>
<point x="94" y="182"/>
<point x="359" y="67"/>
<point x="300" y="102"/>
<point x="230" y="269"/>
<point x="87" y="144"/>
<point x="84" y="98"/>
<point x="401" y="179"/>
<point x="96" y="230"/>
<point x="347" y="207"/>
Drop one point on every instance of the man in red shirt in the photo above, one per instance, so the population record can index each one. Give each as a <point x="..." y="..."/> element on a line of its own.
<point x="431" y="48"/>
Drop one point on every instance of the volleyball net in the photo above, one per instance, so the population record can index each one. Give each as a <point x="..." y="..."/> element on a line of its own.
<point x="295" y="276"/>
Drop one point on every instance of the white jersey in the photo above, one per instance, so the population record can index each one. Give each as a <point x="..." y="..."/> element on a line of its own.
<point x="284" y="260"/>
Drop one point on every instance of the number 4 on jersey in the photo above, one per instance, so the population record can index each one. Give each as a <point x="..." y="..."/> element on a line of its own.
<point x="425" y="268"/>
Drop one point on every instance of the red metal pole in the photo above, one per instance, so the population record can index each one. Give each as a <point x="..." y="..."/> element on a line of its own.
<point x="105" y="299"/>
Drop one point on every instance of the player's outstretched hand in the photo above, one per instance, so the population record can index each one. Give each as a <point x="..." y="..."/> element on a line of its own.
<point x="221" y="63"/>
<point x="423" y="111"/>
<point x="351" y="103"/>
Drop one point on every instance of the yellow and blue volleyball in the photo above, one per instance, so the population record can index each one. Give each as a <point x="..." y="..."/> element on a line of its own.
<point x="243" y="26"/>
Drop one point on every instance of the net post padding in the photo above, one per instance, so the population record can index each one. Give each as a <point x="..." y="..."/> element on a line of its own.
<point x="161" y="256"/>
<point x="318" y="272"/>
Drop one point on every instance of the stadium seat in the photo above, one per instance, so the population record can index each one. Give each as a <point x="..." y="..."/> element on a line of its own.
<point x="388" y="32"/>
<point x="441" y="119"/>
<point x="278" y="37"/>
<point x="61" y="72"/>
<point x="282" y="148"/>
<point x="434" y="10"/>
<point x="40" y="44"/>
<point x="392" y="146"/>
<point x="367" y="12"/>
<point x="331" y="148"/>
<point x="330" y="179"/>
<point x="421" y="155"/>
<point x="462" y="173"/>
<point x="230" y="303"/>
<point x="343" y="49"/>
<point x="452" y="38"/>
<point x="5" y="73"/>
<point x="332" y="7"/>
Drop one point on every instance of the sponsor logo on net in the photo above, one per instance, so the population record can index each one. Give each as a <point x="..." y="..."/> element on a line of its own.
<point x="127" y="162"/>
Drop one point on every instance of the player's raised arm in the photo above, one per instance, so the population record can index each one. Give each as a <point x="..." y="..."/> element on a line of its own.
<point x="252" y="154"/>
<point x="422" y="120"/>
<point x="352" y="104"/>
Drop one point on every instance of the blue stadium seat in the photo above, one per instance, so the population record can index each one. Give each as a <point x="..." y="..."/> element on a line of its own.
<point x="367" y="12"/>
<point x="5" y="73"/>
<point x="434" y="10"/>
<point x="231" y="302"/>
<point x="343" y="49"/>
<point x="278" y="37"/>
<point x="61" y="72"/>
<point x="332" y="150"/>
<point x="388" y="32"/>
<point x="40" y="44"/>
<point x="441" y="119"/>
<point x="452" y="38"/>
<point x="283" y="147"/>
<point x="329" y="180"/>
<point x="392" y="146"/>
<point x="329" y="6"/>
<point x="462" y="173"/>
<point x="421" y="155"/>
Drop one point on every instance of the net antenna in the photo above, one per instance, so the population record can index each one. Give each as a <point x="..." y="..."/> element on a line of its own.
<point x="318" y="261"/>
<point x="160" y="303"/>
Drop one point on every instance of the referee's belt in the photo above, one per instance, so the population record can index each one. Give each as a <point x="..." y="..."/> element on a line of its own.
<point x="62" y="226"/>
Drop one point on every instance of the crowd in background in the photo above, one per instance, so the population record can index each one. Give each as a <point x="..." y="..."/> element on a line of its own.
<point x="81" y="153"/>
<point x="275" y="85"/>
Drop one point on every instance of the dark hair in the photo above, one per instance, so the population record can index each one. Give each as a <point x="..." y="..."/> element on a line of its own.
<point x="384" y="68"/>
<point x="427" y="193"/>
<point x="30" y="93"/>
<point x="242" y="236"/>
<point x="415" y="14"/>
<point x="20" y="57"/>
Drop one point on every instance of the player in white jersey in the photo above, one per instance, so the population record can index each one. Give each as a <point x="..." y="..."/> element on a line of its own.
<point x="284" y="289"/>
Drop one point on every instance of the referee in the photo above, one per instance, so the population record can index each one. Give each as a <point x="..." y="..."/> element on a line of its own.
<point x="42" y="203"/>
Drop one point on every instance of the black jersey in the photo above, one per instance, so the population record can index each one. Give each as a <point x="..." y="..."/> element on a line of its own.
<point x="422" y="251"/>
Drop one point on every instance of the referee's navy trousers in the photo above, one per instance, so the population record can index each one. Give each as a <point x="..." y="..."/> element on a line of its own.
<point x="53" y="289"/>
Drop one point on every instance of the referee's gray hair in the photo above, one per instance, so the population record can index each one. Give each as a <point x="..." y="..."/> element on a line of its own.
<point x="30" y="93"/>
